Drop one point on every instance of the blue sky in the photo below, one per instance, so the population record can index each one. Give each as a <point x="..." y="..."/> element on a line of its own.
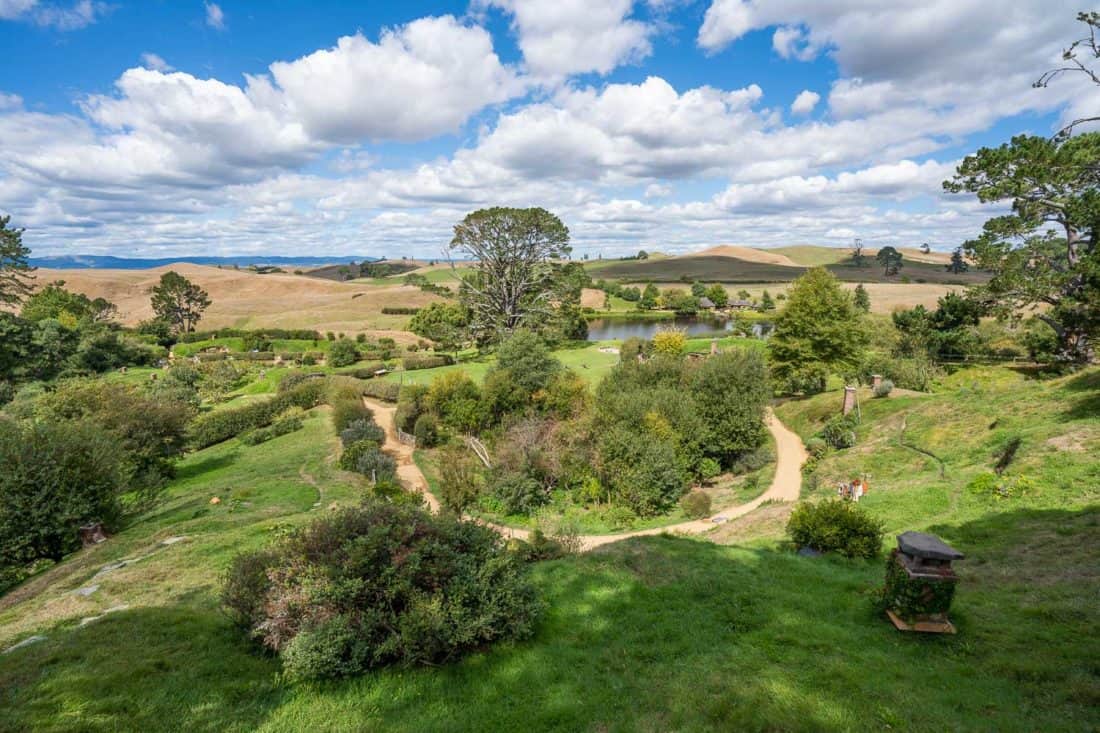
<point x="180" y="127"/>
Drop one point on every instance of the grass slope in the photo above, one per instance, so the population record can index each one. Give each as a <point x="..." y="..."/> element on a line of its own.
<point x="656" y="633"/>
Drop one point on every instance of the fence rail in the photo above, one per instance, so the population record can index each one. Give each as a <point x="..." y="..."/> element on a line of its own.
<point x="406" y="438"/>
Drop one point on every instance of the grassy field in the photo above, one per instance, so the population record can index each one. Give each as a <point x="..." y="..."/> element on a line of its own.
<point x="733" y="270"/>
<point x="657" y="633"/>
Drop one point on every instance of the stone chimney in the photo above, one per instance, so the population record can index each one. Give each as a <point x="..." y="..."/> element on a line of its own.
<point x="876" y="380"/>
<point x="849" y="400"/>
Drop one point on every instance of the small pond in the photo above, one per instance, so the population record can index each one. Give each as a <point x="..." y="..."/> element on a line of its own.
<point x="607" y="329"/>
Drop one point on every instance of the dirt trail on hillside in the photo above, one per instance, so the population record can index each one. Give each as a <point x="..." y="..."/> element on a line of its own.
<point x="786" y="486"/>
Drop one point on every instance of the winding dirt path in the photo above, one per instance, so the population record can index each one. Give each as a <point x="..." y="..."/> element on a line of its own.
<point x="786" y="486"/>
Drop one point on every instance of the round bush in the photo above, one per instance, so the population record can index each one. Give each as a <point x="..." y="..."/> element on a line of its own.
<point x="349" y="459"/>
<point x="696" y="504"/>
<point x="362" y="429"/>
<point x="380" y="584"/>
<point x="836" y="526"/>
<point x="839" y="432"/>
<point x="817" y="447"/>
<point x="884" y="389"/>
<point x="376" y="465"/>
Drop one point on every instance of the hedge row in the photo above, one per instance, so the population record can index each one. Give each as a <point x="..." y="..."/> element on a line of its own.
<point x="221" y="425"/>
<point x="365" y="371"/>
<point x="269" y="333"/>
<point x="411" y="363"/>
<point x="282" y="426"/>
<point x="390" y="310"/>
<point x="381" y="390"/>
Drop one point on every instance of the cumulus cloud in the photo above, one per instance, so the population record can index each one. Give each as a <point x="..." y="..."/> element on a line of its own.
<point x="805" y="102"/>
<point x="215" y="17"/>
<point x="563" y="37"/>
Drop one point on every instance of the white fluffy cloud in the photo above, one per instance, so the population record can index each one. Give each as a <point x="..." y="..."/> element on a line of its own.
<point x="73" y="17"/>
<point x="805" y="102"/>
<point x="153" y="61"/>
<point x="563" y="37"/>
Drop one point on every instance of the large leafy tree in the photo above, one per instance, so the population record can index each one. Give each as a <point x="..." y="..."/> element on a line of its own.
<point x="179" y="302"/>
<point x="516" y="256"/>
<point x="1043" y="254"/>
<point x="446" y="324"/>
<point x="54" y="301"/>
<point x="819" y="332"/>
<point x="890" y="259"/>
<point x="15" y="272"/>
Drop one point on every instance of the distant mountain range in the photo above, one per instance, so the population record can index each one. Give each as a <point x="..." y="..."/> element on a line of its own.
<point x="107" y="262"/>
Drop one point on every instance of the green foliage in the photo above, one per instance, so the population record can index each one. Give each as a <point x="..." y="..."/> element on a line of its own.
<point x="696" y="504"/>
<point x="339" y="583"/>
<point x="362" y="429"/>
<point x="1001" y="488"/>
<point x="286" y="423"/>
<point x="425" y="361"/>
<point x="54" y="301"/>
<point x="343" y="353"/>
<point x="911" y="598"/>
<point x="15" y="272"/>
<point x="839" y="432"/>
<point x="890" y="259"/>
<point x="386" y="391"/>
<point x="349" y="459"/>
<point x="819" y="331"/>
<point x="152" y="431"/>
<point x="460" y="479"/>
<point x="1045" y="251"/>
<point x="861" y="299"/>
<point x="519" y="493"/>
<point x="517" y="270"/>
<point x="374" y="464"/>
<point x="642" y="472"/>
<point x="214" y="427"/>
<point x="718" y="295"/>
<point x="426" y="431"/>
<point x="837" y="526"/>
<point x="917" y="372"/>
<point x="884" y="389"/>
<point x="669" y="341"/>
<point x="730" y="392"/>
<point x="178" y="301"/>
<point x="709" y="469"/>
<point x="55" y="477"/>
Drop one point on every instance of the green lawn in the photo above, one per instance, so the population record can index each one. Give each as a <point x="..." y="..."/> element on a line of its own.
<point x="586" y="360"/>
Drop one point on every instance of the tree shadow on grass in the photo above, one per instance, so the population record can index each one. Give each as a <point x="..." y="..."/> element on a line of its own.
<point x="143" y="670"/>
<point x="1087" y="406"/>
<point x="209" y="463"/>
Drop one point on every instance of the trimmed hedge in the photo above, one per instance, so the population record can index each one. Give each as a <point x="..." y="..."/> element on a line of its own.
<point x="399" y="311"/>
<point x="269" y="333"/>
<point x="363" y="372"/>
<point x="255" y="356"/>
<point x="380" y="390"/>
<point x="215" y="427"/>
<point x="425" y="361"/>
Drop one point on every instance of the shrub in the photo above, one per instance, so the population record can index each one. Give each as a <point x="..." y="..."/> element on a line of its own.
<point x="366" y="371"/>
<point x="288" y="422"/>
<point x="391" y="310"/>
<point x="838" y="526"/>
<point x="425" y="361"/>
<point x="1000" y="488"/>
<point x="349" y="459"/>
<point x="519" y="493"/>
<point x="696" y="504"/>
<point x="460" y="479"/>
<point x="908" y="373"/>
<point x="376" y="465"/>
<point x="839" y="432"/>
<point x="884" y="389"/>
<point x="343" y="353"/>
<point x="214" y="427"/>
<point x="669" y="341"/>
<point x="346" y="410"/>
<point x="709" y="469"/>
<point x="54" y="477"/>
<point x="362" y="429"/>
<point x="426" y="431"/>
<point x="817" y="447"/>
<point x="293" y="379"/>
<point x="385" y="391"/>
<point x="619" y="517"/>
<point x="382" y="584"/>
<point x="641" y="471"/>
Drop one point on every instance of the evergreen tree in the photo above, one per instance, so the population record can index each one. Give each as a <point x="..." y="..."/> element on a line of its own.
<point x="179" y="302"/>
<point x="15" y="272"/>
<point x="958" y="263"/>
<point x="890" y="259"/>
<point x="766" y="302"/>
<point x="861" y="299"/>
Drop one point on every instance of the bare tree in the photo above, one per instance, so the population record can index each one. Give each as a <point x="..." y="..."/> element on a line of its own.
<point x="1087" y="48"/>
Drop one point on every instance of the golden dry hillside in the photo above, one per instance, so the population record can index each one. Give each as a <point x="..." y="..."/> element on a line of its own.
<point x="748" y="254"/>
<point x="243" y="299"/>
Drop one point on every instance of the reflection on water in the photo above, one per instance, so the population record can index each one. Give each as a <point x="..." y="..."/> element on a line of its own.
<point x="606" y="329"/>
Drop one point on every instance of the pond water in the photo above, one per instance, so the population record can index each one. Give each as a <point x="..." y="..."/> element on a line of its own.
<point x="606" y="329"/>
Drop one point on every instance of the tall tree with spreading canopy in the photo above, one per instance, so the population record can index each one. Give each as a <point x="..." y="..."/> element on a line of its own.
<point x="15" y="272"/>
<point x="179" y="302"/>
<point x="818" y="333"/>
<point x="890" y="259"/>
<point x="516" y="257"/>
<point x="1043" y="255"/>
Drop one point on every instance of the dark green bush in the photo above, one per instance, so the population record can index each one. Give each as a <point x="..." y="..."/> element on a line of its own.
<point x="55" y="477"/>
<point x="347" y="409"/>
<point x="343" y="353"/>
<point x="376" y="465"/>
<point x="221" y="425"/>
<point x="696" y="504"/>
<point x="426" y="431"/>
<point x="282" y="426"/>
<point x="519" y="494"/>
<point x="839" y="432"/>
<point x="383" y="584"/>
<point x="837" y="526"/>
